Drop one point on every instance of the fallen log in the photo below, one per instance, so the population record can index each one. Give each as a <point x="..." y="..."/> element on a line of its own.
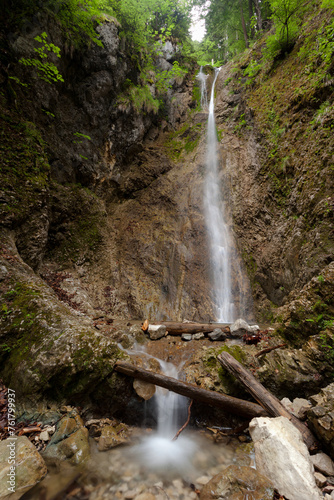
<point x="228" y="403"/>
<point x="174" y="328"/>
<point x="267" y="400"/>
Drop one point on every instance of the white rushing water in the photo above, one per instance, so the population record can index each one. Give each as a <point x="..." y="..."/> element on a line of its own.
<point x="158" y="451"/>
<point x="202" y="77"/>
<point x="219" y="237"/>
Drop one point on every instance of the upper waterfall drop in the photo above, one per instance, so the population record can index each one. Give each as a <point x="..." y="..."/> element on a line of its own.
<point x="219" y="236"/>
<point x="202" y="77"/>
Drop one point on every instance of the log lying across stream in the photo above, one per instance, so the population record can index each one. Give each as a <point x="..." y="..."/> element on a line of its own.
<point x="269" y="402"/>
<point x="175" y="328"/>
<point x="228" y="403"/>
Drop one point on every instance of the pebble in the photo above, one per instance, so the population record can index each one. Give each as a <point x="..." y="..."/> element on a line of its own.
<point x="320" y="479"/>
<point x="44" y="436"/>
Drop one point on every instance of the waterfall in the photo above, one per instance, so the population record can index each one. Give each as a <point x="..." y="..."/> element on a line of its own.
<point x="158" y="452"/>
<point x="202" y="77"/>
<point x="219" y="236"/>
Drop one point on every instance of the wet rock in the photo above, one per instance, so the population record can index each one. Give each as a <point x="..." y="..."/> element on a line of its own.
<point x="30" y="467"/>
<point x="323" y="463"/>
<point x="217" y="334"/>
<point x="298" y="407"/>
<point x="321" y="417"/>
<point x="144" y="389"/>
<point x="235" y="482"/>
<point x="282" y="455"/>
<point x="157" y="331"/>
<point x="112" y="436"/>
<point x="69" y="442"/>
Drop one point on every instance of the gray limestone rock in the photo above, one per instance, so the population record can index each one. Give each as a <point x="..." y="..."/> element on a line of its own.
<point x="217" y="334"/>
<point x="186" y="336"/>
<point x="323" y="463"/>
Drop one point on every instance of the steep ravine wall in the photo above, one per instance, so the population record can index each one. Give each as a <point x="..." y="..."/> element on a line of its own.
<point x="138" y="246"/>
<point x="282" y="209"/>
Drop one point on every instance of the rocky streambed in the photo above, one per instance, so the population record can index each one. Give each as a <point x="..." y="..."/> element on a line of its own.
<point x="85" y="455"/>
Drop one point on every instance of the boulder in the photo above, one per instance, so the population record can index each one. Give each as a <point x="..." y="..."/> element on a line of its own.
<point x="217" y="334"/>
<point x="238" y="482"/>
<point x="298" y="407"/>
<point x="239" y="328"/>
<point x="186" y="336"/>
<point x="323" y="463"/>
<point x="112" y="437"/>
<point x="144" y="389"/>
<point x="69" y="442"/>
<point x="28" y="469"/>
<point x="156" y="331"/>
<point x="281" y="454"/>
<point x="321" y="417"/>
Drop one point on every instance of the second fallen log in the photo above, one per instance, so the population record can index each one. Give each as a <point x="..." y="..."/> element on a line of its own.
<point x="228" y="403"/>
<point x="267" y="400"/>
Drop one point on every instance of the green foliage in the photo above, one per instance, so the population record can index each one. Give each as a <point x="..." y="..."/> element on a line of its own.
<point x="285" y="14"/>
<point x="46" y="70"/>
<point x="81" y="136"/>
<point x="327" y="345"/>
<point x="140" y="98"/>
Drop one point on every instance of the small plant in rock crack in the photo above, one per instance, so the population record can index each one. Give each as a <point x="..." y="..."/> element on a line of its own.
<point x="46" y="70"/>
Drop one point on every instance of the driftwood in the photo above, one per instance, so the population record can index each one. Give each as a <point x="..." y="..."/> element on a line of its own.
<point x="174" y="328"/>
<point x="264" y="397"/>
<point x="228" y="403"/>
<point x="186" y="423"/>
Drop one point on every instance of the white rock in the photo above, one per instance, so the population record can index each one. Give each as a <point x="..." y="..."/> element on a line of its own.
<point x="198" y="336"/>
<point x="253" y="328"/>
<point x="44" y="435"/>
<point x="323" y="463"/>
<point x="239" y="327"/>
<point x="156" y="331"/>
<point x="281" y="455"/>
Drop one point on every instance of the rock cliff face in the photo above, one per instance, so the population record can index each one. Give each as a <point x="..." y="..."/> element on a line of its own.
<point x="105" y="206"/>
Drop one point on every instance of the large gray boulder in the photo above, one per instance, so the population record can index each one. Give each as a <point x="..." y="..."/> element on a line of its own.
<point x="281" y="454"/>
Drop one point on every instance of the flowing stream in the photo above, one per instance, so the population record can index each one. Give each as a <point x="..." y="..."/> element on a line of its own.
<point x="219" y="237"/>
<point x="151" y="465"/>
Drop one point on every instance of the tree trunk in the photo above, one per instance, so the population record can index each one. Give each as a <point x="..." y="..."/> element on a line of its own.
<point x="264" y="397"/>
<point x="244" y="29"/>
<point x="258" y="14"/>
<point x="174" y="328"/>
<point x="228" y="403"/>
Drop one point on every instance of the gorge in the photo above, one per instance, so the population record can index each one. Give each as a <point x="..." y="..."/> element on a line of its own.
<point x="108" y="191"/>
